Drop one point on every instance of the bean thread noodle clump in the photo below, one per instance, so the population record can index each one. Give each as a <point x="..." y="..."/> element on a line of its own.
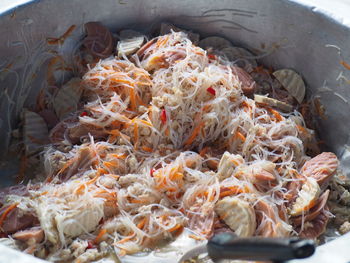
<point x="170" y="139"/>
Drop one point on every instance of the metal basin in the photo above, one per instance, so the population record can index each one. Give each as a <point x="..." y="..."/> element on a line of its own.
<point x="292" y="34"/>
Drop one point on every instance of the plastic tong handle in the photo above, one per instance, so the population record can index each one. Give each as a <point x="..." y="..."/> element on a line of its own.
<point x="229" y="246"/>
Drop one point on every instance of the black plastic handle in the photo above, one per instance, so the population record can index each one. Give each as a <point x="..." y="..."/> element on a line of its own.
<point x="229" y="246"/>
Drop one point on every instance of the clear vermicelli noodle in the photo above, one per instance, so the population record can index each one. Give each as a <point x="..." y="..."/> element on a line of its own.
<point x="166" y="139"/>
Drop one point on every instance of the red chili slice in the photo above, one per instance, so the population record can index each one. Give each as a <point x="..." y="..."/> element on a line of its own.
<point x="211" y="90"/>
<point x="90" y="244"/>
<point x="84" y="113"/>
<point x="163" y="116"/>
<point x="211" y="56"/>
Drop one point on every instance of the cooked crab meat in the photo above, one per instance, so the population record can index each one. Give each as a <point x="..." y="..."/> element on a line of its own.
<point x="30" y="236"/>
<point x="228" y="164"/>
<point x="130" y="45"/>
<point x="99" y="40"/>
<point x="80" y="222"/>
<point x="307" y="197"/>
<point x="316" y="227"/>
<point x="292" y="82"/>
<point x="15" y="219"/>
<point x="269" y="220"/>
<point x="248" y="85"/>
<point x="273" y="103"/>
<point x="257" y="172"/>
<point x="67" y="98"/>
<point x="65" y="214"/>
<point x="314" y="212"/>
<point x="321" y="168"/>
<point x="35" y="132"/>
<point x="263" y="171"/>
<point x="238" y="215"/>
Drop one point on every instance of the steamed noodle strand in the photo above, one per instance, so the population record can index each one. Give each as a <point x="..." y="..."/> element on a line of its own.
<point x="164" y="118"/>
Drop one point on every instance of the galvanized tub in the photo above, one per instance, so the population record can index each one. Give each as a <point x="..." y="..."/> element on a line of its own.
<point x="293" y="34"/>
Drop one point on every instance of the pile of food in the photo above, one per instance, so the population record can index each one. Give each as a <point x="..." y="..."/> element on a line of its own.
<point x="166" y="135"/>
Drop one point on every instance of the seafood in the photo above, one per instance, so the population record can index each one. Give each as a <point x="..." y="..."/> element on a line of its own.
<point x="307" y="197"/>
<point x="130" y="45"/>
<point x="162" y="139"/>
<point x="35" y="132"/>
<point x="99" y="40"/>
<point x="32" y="235"/>
<point x="273" y="103"/>
<point x="227" y="165"/>
<point x="292" y="82"/>
<point x="238" y="215"/>
<point x="316" y="227"/>
<point x="314" y="211"/>
<point x="67" y="98"/>
<point x="321" y="168"/>
<point x="269" y="222"/>
<point x="248" y="84"/>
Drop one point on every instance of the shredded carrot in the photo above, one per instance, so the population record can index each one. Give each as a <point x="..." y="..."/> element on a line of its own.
<point x="146" y="123"/>
<point x="174" y="228"/>
<point x="136" y="135"/>
<point x="194" y="134"/>
<point x="99" y="236"/>
<point x="142" y="223"/>
<point x="235" y="162"/>
<point x="147" y="149"/>
<point x="133" y="99"/>
<point x="139" y="100"/>
<point x="301" y="128"/>
<point x="119" y="156"/>
<point x="240" y="136"/>
<point x="232" y="190"/>
<point x="199" y="238"/>
<point x="346" y="65"/>
<point x="176" y="176"/>
<point x="125" y="239"/>
<point x="211" y="197"/>
<point x="80" y="189"/>
<point x="98" y="174"/>
<point x="167" y="132"/>
<point x="61" y="39"/>
<point x="6" y="212"/>
<point x="162" y="41"/>
<point x="171" y="189"/>
<point x="111" y="165"/>
<point x="206" y="108"/>
<point x="66" y="166"/>
<point x="276" y="114"/>
<point x="123" y="81"/>
<point x="138" y="201"/>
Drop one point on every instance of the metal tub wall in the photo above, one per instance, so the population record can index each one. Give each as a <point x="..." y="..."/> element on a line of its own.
<point x="296" y="35"/>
